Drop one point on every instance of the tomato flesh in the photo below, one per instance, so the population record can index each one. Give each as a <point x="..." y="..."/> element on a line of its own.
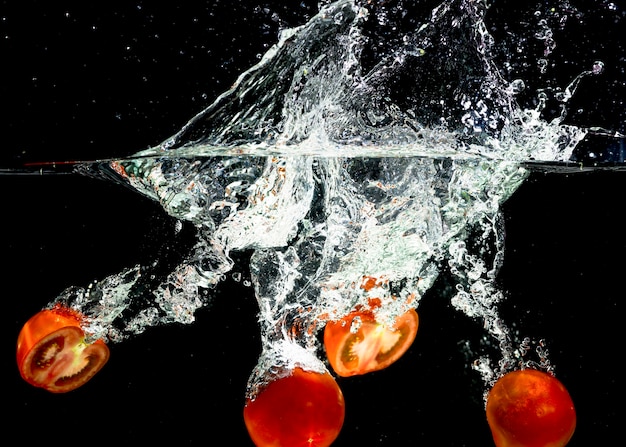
<point x="301" y="409"/>
<point x="52" y="353"/>
<point x="371" y="347"/>
<point x="530" y="408"/>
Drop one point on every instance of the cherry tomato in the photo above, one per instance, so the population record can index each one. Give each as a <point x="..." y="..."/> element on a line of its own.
<point x="302" y="409"/>
<point x="371" y="347"/>
<point x="530" y="408"/>
<point x="52" y="353"/>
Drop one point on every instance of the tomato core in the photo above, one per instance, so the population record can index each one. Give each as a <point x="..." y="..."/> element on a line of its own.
<point x="530" y="408"/>
<point x="301" y="409"/>
<point x="52" y="353"/>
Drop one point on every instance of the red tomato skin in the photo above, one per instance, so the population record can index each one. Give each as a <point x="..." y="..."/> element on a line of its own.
<point x="337" y="334"/>
<point x="530" y="408"/>
<point x="50" y="323"/>
<point x="303" y="409"/>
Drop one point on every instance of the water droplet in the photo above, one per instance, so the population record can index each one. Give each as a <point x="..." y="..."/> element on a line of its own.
<point x="598" y="67"/>
<point x="356" y="324"/>
<point x="517" y="86"/>
<point x="543" y="65"/>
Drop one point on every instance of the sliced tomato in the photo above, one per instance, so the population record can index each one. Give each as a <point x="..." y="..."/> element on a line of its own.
<point x="358" y="344"/>
<point x="530" y="408"/>
<point x="52" y="353"/>
<point x="301" y="409"/>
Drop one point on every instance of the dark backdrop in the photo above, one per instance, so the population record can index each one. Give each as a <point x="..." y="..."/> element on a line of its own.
<point x="87" y="81"/>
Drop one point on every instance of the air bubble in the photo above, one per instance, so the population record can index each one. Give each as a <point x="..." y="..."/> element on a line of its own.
<point x="597" y="68"/>
<point x="517" y="86"/>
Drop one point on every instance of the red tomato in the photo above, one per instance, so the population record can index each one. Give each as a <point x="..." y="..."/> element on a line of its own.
<point x="52" y="353"/>
<point x="370" y="348"/>
<point x="530" y="408"/>
<point x="303" y="409"/>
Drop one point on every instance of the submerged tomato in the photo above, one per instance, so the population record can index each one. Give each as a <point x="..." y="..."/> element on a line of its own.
<point x="530" y="408"/>
<point x="52" y="353"/>
<point x="303" y="409"/>
<point x="372" y="347"/>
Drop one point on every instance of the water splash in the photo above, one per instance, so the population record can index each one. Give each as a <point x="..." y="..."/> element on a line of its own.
<point x="339" y="158"/>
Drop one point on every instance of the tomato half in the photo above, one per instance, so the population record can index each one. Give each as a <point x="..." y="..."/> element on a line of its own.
<point x="52" y="353"/>
<point x="302" y="409"/>
<point x="530" y="408"/>
<point x="372" y="347"/>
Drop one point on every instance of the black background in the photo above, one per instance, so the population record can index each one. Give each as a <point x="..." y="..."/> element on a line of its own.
<point x="87" y="81"/>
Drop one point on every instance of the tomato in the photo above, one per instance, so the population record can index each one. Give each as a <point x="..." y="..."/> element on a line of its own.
<point x="301" y="409"/>
<point x="52" y="353"/>
<point x="530" y="408"/>
<point x="372" y="347"/>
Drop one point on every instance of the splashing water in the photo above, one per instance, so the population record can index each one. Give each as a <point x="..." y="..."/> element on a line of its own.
<point x="337" y="158"/>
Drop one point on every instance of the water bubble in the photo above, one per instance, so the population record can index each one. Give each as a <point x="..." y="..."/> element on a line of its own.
<point x="542" y="64"/>
<point x="597" y="68"/>
<point x="517" y="86"/>
<point x="356" y="324"/>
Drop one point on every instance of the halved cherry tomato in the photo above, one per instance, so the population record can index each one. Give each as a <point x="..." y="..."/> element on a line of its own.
<point x="52" y="353"/>
<point x="302" y="409"/>
<point x="530" y="408"/>
<point x="371" y="347"/>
